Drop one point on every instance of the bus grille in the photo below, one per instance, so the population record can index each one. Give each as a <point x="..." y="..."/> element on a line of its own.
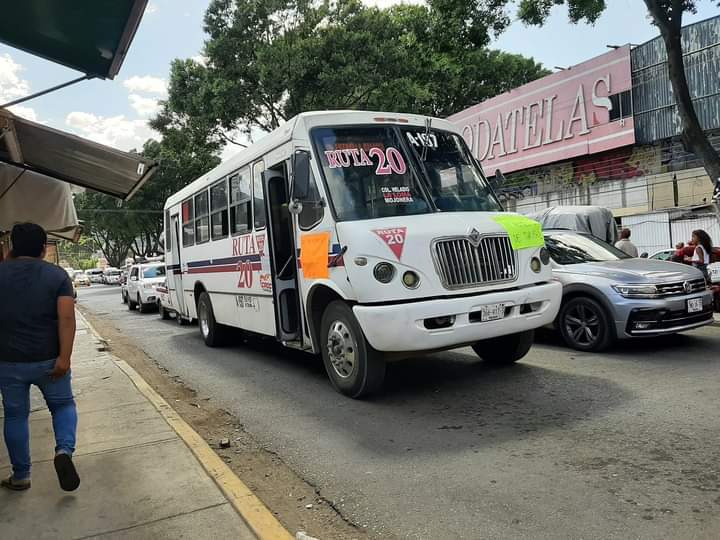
<point x="461" y="264"/>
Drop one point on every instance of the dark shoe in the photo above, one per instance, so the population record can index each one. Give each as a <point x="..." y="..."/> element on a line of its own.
<point x="67" y="475"/>
<point x="15" y="485"/>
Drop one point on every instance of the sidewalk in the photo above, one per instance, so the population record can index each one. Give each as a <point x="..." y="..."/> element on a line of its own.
<point x="139" y="478"/>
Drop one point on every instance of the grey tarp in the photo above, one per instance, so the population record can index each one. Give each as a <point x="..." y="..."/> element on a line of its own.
<point x="28" y="196"/>
<point x="595" y="220"/>
<point x="72" y="159"/>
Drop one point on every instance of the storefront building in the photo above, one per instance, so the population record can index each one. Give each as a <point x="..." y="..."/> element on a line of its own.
<point x="604" y="132"/>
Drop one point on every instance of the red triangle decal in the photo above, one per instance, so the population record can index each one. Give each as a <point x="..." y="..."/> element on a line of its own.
<point x="394" y="239"/>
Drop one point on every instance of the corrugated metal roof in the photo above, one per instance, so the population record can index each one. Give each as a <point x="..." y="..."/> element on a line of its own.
<point x="653" y="101"/>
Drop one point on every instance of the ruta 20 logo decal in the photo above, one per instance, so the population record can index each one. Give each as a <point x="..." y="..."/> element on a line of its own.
<point x="394" y="239"/>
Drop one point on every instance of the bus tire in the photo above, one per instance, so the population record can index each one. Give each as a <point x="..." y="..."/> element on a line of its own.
<point x="353" y="366"/>
<point x="505" y="350"/>
<point x="214" y="334"/>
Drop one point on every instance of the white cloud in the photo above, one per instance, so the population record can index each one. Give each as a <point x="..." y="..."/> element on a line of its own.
<point x="146" y="84"/>
<point x="26" y="112"/>
<point x="144" y="106"/>
<point x="12" y="86"/>
<point x="116" y="131"/>
<point x="151" y="8"/>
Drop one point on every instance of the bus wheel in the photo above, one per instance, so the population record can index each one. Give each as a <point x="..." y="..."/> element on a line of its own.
<point x="213" y="333"/>
<point x="354" y="367"/>
<point x="505" y="350"/>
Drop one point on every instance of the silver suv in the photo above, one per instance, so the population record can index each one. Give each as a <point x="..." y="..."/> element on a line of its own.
<point x="609" y="296"/>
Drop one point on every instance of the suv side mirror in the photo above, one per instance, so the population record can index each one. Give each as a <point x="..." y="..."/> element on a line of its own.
<point x="301" y="176"/>
<point x="133" y="278"/>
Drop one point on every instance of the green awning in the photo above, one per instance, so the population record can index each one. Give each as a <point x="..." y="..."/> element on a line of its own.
<point x="91" y="36"/>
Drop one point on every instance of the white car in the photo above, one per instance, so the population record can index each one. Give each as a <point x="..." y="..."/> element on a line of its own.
<point x="111" y="276"/>
<point x="142" y="284"/>
<point x="714" y="272"/>
<point x="95" y="275"/>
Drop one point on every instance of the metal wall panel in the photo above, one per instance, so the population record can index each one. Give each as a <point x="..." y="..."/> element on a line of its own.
<point x="653" y="101"/>
<point x="649" y="232"/>
<point x="682" y="229"/>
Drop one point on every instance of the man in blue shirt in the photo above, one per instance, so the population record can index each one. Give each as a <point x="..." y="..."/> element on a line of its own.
<point x="37" y="331"/>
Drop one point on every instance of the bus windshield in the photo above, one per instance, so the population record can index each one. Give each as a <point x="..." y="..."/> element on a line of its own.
<point x="383" y="171"/>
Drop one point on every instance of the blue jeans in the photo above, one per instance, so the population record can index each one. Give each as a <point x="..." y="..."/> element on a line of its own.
<point x="15" y="381"/>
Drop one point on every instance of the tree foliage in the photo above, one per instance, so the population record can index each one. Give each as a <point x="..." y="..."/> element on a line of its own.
<point x="135" y="227"/>
<point x="268" y="60"/>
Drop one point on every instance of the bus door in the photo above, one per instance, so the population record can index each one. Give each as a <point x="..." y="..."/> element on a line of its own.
<point x="283" y="261"/>
<point x="174" y="274"/>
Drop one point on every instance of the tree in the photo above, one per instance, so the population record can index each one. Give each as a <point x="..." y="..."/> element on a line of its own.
<point x="667" y="16"/>
<point x="268" y="60"/>
<point x="136" y="226"/>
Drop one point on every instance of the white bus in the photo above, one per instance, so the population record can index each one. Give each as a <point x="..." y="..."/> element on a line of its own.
<point x="361" y="236"/>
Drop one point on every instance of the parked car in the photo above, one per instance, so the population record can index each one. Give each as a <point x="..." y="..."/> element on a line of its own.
<point x="142" y="284"/>
<point x="95" y="275"/>
<point x="608" y="295"/>
<point x="111" y="276"/>
<point x="164" y="301"/>
<point x="81" y="279"/>
<point x="662" y="255"/>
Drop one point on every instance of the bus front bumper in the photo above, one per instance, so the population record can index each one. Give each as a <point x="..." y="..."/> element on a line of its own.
<point x="440" y="324"/>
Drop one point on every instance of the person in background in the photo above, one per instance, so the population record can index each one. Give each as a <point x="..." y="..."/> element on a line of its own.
<point x="701" y="254"/>
<point x="679" y="255"/>
<point x="625" y="245"/>
<point x="37" y="331"/>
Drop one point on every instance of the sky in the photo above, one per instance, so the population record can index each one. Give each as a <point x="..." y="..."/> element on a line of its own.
<point x="116" y="112"/>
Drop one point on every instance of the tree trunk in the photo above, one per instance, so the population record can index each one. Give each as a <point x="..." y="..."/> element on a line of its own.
<point x="692" y="134"/>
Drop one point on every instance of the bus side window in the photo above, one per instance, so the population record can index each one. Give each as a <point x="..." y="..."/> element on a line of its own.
<point x="240" y="200"/>
<point x="202" y="219"/>
<point x="168" y="235"/>
<point x="312" y="208"/>
<point x="188" y="223"/>
<point x="258" y="196"/>
<point x="219" y="211"/>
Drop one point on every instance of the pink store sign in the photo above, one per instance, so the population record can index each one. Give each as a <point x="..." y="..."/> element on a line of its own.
<point x="561" y="116"/>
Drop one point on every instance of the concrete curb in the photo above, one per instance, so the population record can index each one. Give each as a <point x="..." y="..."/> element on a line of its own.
<point x="252" y="510"/>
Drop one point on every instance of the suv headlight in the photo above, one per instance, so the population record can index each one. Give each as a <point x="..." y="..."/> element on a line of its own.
<point x="636" y="291"/>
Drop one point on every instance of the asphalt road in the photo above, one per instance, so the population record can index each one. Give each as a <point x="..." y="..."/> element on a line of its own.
<point x="624" y="444"/>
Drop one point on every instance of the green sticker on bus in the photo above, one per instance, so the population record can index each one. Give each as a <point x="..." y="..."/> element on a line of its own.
<point x="524" y="233"/>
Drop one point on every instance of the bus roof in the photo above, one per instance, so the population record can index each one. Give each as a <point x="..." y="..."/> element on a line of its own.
<point x="304" y="121"/>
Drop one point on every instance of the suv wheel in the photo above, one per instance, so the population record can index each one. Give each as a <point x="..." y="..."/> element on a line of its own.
<point x="130" y="304"/>
<point x="584" y="325"/>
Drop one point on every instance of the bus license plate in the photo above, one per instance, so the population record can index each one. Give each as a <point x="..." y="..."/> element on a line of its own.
<point x="694" y="305"/>
<point x="492" y="312"/>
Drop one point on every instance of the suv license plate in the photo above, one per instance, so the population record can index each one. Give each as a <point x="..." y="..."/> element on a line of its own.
<point x="492" y="312"/>
<point x="694" y="305"/>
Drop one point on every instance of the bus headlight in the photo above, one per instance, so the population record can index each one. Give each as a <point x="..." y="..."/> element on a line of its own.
<point x="384" y="272"/>
<point x="544" y="255"/>
<point x="535" y="265"/>
<point x="411" y="280"/>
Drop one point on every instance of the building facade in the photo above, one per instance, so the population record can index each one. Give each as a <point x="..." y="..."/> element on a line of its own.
<point x="604" y="132"/>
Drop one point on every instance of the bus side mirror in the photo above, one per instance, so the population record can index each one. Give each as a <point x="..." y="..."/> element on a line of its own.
<point x="301" y="176"/>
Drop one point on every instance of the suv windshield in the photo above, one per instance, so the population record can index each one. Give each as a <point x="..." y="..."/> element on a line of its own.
<point x="153" y="271"/>
<point x="573" y="248"/>
<point x="370" y="174"/>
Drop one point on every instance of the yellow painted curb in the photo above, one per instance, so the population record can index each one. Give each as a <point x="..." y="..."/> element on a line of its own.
<point x="255" y="514"/>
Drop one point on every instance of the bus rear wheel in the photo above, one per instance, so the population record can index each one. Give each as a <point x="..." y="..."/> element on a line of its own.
<point x="353" y="366"/>
<point x="505" y="350"/>
<point x="214" y="334"/>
